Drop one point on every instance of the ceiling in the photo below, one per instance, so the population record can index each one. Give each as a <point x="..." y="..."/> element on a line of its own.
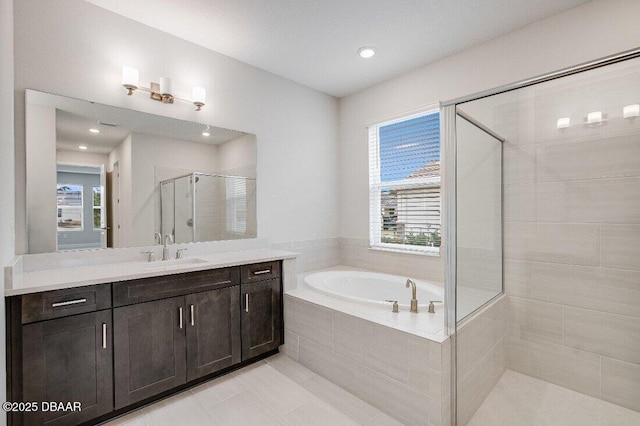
<point x="314" y="42"/>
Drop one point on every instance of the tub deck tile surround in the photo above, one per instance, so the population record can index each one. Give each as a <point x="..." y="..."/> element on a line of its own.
<point x="386" y="359"/>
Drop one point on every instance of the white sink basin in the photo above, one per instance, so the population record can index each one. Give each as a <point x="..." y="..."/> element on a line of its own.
<point x="173" y="264"/>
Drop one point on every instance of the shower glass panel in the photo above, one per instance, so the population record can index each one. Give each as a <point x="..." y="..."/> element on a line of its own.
<point x="479" y="218"/>
<point x="208" y="207"/>
<point x="561" y="345"/>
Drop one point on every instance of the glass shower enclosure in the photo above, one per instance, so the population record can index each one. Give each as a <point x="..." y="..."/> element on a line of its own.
<point x="208" y="207"/>
<point x="542" y="244"/>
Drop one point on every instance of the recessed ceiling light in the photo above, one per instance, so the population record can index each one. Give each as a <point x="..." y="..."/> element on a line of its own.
<point x="205" y="133"/>
<point x="94" y="130"/>
<point x="82" y="147"/>
<point x="366" y="52"/>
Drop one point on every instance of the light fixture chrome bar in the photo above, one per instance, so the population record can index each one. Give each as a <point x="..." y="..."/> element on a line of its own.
<point x="607" y="60"/>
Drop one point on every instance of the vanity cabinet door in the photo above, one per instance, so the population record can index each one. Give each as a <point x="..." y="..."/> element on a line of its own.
<point x="149" y="347"/>
<point x="68" y="360"/>
<point x="260" y="317"/>
<point x="213" y="331"/>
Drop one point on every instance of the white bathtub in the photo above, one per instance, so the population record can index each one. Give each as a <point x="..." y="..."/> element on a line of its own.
<point x="372" y="288"/>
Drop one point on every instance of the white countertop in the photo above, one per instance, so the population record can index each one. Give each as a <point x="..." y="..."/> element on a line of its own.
<point x="59" y="278"/>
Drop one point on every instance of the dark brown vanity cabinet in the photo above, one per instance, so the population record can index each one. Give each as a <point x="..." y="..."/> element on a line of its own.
<point x="213" y="331"/>
<point x="168" y="332"/>
<point x="69" y="359"/>
<point x="162" y="344"/>
<point x="60" y="350"/>
<point x="261" y="309"/>
<point x="149" y="348"/>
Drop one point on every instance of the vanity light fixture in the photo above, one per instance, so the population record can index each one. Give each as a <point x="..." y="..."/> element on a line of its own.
<point x="563" y="122"/>
<point x="162" y="91"/>
<point x="82" y="147"/>
<point x="367" y="52"/>
<point x="94" y="130"/>
<point x="631" y="111"/>
<point x="206" y="132"/>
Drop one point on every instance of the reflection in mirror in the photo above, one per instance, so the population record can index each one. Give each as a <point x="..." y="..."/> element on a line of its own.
<point x="100" y="176"/>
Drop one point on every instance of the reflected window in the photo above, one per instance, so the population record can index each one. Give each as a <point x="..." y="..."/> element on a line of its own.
<point x="236" y="194"/>
<point x="404" y="183"/>
<point x="69" y="207"/>
<point x="97" y="207"/>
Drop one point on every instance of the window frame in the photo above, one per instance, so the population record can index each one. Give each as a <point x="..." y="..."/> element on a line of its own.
<point x="375" y="186"/>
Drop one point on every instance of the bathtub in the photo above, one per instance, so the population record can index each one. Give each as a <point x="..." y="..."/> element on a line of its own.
<point x="372" y="288"/>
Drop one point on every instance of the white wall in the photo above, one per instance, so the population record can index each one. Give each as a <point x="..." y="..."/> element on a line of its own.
<point x="6" y="165"/>
<point x="122" y="198"/>
<point x="41" y="197"/>
<point x="73" y="48"/>
<point x="81" y="158"/>
<point x="150" y="156"/>
<point x="238" y="156"/>
<point x="596" y="29"/>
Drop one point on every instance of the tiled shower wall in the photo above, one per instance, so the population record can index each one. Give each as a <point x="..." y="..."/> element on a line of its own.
<point x="572" y="246"/>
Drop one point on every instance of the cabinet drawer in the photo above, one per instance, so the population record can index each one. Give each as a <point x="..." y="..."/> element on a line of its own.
<point x="62" y="303"/>
<point x="260" y="272"/>
<point x="155" y="288"/>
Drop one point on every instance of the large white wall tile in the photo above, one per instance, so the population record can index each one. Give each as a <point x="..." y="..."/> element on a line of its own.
<point x="621" y="246"/>
<point x="519" y="164"/>
<point x="308" y="320"/>
<point x="606" y="200"/>
<point x="589" y="159"/>
<point x="476" y="386"/>
<point x="621" y="383"/>
<point x="334" y="367"/>
<point x="558" y="243"/>
<point x="517" y="278"/>
<point x="606" y="334"/>
<point x="397" y="399"/>
<point x="479" y="335"/>
<point x="533" y="320"/>
<point x="352" y="337"/>
<point x="609" y="290"/>
<point x="571" y="368"/>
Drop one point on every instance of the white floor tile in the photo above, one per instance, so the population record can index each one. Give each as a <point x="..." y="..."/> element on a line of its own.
<point x="518" y="399"/>
<point x="218" y="390"/>
<point x="289" y="367"/>
<point x="318" y="413"/>
<point x="277" y="390"/>
<point x="341" y="399"/>
<point x="242" y="409"/>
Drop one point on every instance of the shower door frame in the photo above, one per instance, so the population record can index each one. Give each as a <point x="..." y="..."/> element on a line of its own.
<point x="448" y="136"/>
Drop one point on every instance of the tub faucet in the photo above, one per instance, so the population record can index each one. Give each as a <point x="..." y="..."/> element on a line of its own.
<point x="165" y="250"/>
<point x="414" y="301"/>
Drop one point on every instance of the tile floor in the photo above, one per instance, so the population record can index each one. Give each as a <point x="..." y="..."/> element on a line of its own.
<point x="520" y="400"/>
<point x="276" y="391"/>
<point x="279" y="391"/>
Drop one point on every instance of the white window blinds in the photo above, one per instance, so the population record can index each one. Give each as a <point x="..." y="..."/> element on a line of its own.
<point x="404" y="183"/>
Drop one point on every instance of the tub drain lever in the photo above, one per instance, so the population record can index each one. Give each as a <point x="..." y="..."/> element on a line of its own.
<point x="395" y="306"/>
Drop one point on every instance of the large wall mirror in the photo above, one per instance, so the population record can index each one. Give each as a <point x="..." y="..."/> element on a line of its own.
<point x="99" y="176"/>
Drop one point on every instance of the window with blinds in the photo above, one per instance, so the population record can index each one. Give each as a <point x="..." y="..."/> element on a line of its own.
<point x="404" y="183"/>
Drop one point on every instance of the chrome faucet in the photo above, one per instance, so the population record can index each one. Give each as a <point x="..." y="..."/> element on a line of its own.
<point x="158" y="237"/>
<point x="414" y="301"/>
<point x="165" y="250"/>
